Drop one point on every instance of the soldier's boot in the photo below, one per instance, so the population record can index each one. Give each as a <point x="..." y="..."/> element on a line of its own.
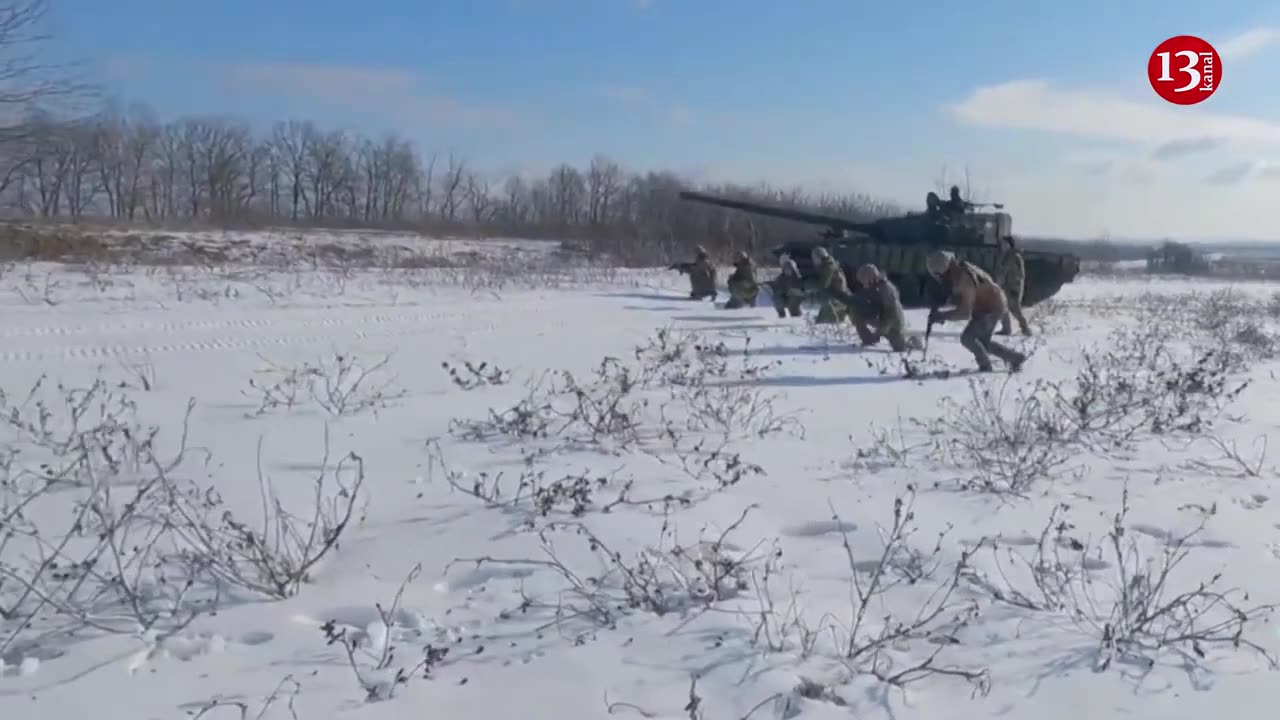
<point x="1011" y="357"/>
<point x="867" y="337"/>
<point x="734" y="302"/>
<point x="781" y="310"/>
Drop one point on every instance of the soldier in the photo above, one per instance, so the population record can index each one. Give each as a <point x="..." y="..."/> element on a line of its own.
<point x="743" y="288"/>
<point x="702" y="276"/>
<point x="877" y="310"/>
<point x="788" y="289"/>
<point x="956" y="205"/>
<point x="979" y="300"/>
<point x="1013" y="275"/>
<point x="933" y="206"/>
<point x="833" y="283"/>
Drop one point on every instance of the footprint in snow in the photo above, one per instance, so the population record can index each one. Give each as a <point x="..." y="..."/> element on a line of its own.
<point x="1252" y="502"/>
<point x="818" y="528"/>
<point x="256" y="637"/>
<point x="1169" y="537"/>
<point x="478" y="577"/>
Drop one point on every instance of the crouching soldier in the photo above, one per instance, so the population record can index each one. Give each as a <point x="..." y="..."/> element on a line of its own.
<point x="702" y="275"/>
<point x="743" y="288"/>
<point x="832" y="284"/>
<point x="980" y="301"/>
<point x="877" y="311"/>
<point x="788" y="289"/>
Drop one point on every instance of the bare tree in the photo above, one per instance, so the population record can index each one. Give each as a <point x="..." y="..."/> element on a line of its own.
<point x="26" y="78"/>
<point x="451" y="194"/>
<point x="292" y="144"/>
<point x="478" y="198"/>
<point x="125" y="164"/>
<point x="604" y="181"/>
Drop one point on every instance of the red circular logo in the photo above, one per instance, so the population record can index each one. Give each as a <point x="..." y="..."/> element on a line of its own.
<point x="1184" y="70"/>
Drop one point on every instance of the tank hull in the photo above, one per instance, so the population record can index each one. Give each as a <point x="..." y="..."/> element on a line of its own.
<point x="1046" y="273"/>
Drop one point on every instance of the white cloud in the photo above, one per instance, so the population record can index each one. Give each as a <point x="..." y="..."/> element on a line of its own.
<point x="639" y="97"/>
<point x="1248" y="43"/>
<point x="1035" y="105"/>
<point x="1233" y="174"/>
<point x="1175" y="149"/>
<point x="390" y="92"/>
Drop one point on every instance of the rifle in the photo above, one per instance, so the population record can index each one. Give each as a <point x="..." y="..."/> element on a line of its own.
<point x="928" y="327"/>
<point x="684" y="267"/>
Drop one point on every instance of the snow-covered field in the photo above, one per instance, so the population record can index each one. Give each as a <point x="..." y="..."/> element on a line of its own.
<point x="580" y="495"/>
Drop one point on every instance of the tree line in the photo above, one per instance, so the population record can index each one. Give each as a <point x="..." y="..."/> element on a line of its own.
<point x="124" y="164"/>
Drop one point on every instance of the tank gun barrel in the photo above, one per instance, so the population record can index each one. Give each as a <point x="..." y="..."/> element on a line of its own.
<point x="834" y="223"/>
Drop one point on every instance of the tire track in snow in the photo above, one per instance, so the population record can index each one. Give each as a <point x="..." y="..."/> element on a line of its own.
<point x="274" y="333"/>
<point x="261" y="320"/>
<point x="221" y="343"/>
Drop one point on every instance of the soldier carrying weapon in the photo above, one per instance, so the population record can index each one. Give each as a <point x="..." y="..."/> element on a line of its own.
<point x="702" y="275"/>
<point x="980" y="301"/>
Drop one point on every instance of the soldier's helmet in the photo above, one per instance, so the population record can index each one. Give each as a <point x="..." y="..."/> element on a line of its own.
<point x="789" y="266"/>
<point x="820" y="253"/>
<point x="700" y="251"/>
<point x="867" y="275"/>
<point x="740" y="258"/>
<point x="955" y="192"/>
<point x="938" y="262"/>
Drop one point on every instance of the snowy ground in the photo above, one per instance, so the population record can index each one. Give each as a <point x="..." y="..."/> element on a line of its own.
<point x="752" y="502"/>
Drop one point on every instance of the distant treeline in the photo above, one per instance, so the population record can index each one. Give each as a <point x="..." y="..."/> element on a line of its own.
<point x="127" y="166"/>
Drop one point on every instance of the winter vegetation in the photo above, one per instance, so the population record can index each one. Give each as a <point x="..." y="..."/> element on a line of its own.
<point x="299" y="424"/>
<point x="264" y="489"/>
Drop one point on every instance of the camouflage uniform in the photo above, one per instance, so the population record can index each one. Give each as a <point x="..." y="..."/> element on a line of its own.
<point x="832" y="282"/>
<point x="788" y="289"/>
<point x="979" y="300"/>
<point x="877" y="310"/>
<point x="702" y="277"/>
<point x="743" y="288"/>
<point x="1013" y="274"/>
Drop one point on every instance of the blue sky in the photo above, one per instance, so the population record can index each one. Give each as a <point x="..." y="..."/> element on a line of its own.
<point x="1046" y="104"/>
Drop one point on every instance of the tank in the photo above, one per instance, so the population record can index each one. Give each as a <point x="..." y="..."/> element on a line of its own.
<point x="898" y="245"/>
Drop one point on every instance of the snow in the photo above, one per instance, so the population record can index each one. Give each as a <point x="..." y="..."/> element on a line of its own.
<point x="778" y="487"/>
